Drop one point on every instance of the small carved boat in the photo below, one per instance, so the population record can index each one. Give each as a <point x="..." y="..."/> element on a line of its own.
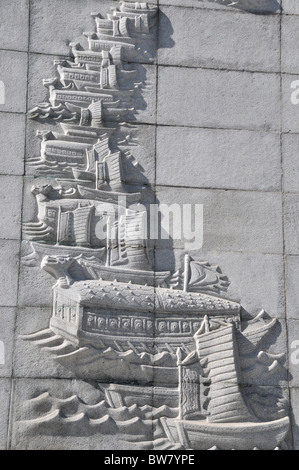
<point x="202" y="435"/>
<point x="98" y="195"/>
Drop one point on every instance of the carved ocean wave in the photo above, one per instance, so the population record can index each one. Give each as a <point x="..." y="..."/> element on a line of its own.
<point x="139" y="425"/>
<point x="54" y="168"/>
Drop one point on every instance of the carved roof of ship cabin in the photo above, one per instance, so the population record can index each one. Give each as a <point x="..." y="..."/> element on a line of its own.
<point x="117" y="295"/>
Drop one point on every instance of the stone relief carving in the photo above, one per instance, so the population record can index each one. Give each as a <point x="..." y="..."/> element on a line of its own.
<point x="117" y="322"/>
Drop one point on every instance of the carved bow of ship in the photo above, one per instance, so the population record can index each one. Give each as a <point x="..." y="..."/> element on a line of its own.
<point x="227" y="421"/>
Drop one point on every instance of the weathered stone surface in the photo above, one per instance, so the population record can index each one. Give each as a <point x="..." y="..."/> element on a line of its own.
<point x="108" y="352"/>
<point x="260" y="277"/>
<point x="219" y="159"/>
<point x="266" y="6"/>
<point x="28" y="359"/>
<point x="10" y="210"/>
<point x="7" y="318"/>
<point x="292" y="273"/>
<point x="290" y="119"/>
<point x="64" y="27"/>
<point x="31" y="395"/>
<point x="13" y="73"/>
<point x="223" y="99"/>
<point x="290" y="36"/>
<point x="5" y="391"/>
<point x="9" y="250"/>
<point x="233" y="221"/>
<point x="291" y="223"/>
<point x="12" y="144"/>
<point x="15" y="17"/>
<point x="290" y="149"/>
<point x="294" y="397"/>
<point x="198" y="44"/>
<point x="290" y="7"/>
<point x="293" y="351"/>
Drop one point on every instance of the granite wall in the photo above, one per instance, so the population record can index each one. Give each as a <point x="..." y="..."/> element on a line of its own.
<point x="219" y="126"/>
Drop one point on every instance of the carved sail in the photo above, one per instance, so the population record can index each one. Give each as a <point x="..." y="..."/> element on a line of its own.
<point x="218" y="353"/>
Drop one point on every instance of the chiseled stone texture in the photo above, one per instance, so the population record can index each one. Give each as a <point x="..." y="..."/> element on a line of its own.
<point x="10" y="209"/>
<point x="292" y="276"/>
<point x="12" y="144"/>
<point x="13" y="73"/>
<point x="7" y="318"/>
<point x="14" y="17"/>
<point x="233" y="220"/>
<point x="290" y="114"/>
<point x="199" y="38"/>
<point x="290" y="37"/>
<point x="212" y="158"/>
<point x="290" y="149"/>
<point x="5" y="391"/>
<point x="64" y="27"/>
<point x="294" y="398"/>
<point x="290" y="7"/>
<point x="291" y="223"/>
<point x="29" y="360"/>
<point x="9" y="252"/>
<point x="225" y="99"/>
<point x="293" y="328"/>
<point x="258" y="6"/>
<point x="29" y="436"/>
<point x="215" y="126"/>
<point x="257" y="280"/>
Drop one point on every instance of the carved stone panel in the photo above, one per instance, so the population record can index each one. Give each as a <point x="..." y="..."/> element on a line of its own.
<point x="146" y="358"/>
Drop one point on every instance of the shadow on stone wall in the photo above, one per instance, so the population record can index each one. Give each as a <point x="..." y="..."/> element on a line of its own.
<point x="261" y="7"/>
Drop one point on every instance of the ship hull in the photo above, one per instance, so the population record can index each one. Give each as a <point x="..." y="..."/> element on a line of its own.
<point x="202" y="435"/>
<point x="67" y="250"/>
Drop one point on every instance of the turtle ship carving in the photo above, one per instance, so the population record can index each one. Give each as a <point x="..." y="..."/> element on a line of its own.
<point x="115" y="319"/>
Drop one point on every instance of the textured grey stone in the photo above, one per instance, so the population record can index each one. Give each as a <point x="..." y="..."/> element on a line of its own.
<point x="243" y="219"/>
<point x="139" y="161"/>
<point x="223" y="99"/>
<point x="290" y="162"/>
<point x="12" y="143"/>
<point x="292" y="276"/>
<point x="10" y="210"/>
<point x="290" y="37"/>
<point x="30" y="361"/>
<point x="264" y="6"/>
<point x="15" y="17"/>
<point x="43" y="65"/>
<point x="293" y="351"/>
<point x="13" y="73"/>
<point x="40" y="66"/>
<point x="27" y="435"/>
<point x="233" y="221"/>
<point x="7" y="318"/>
<point x="291" y="223"/>
<point x="60" y="21"/>
<point x="218" y="158"/>
<point x="204" y="42"/>
<point x="290" y="7"/>
<point x="33" y="281"/>
<point x="5" y="390"/>
<point x="290" y="115"/>
<point x="257" y="281"/>
<point x="9" y="250"/>
<point x="294" y="398"/>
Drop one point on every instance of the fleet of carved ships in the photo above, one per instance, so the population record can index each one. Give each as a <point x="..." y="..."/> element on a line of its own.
<point x="114" y="318"/>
